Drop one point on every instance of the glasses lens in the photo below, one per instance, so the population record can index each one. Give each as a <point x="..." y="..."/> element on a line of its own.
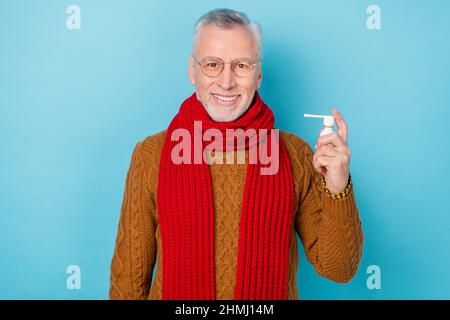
<point x="212" y="67"/>
<point x="243" y="68"/>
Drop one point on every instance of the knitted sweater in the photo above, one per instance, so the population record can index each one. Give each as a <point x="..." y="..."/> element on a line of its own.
<point x="329" y="229"/>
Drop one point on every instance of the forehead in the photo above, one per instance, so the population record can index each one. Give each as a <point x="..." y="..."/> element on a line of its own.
<point x="228" y="44"/>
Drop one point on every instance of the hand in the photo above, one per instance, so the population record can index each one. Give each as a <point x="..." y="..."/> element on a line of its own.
<point x="332" y="156"/>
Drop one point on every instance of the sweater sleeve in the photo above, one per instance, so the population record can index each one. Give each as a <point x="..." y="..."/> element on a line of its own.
<point x="330" y="229"/>
<point x="135" y="247"/>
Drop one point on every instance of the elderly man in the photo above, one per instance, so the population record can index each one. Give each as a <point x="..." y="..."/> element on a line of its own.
<point x="227" y="229"/>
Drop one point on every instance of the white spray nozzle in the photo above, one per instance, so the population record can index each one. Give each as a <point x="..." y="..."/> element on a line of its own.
<point x="328" y="121"/>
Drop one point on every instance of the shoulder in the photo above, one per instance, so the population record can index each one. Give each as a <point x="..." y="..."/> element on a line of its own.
<point x="152" y="145"/>
<point x="148" y="150"/>
<point x="147" y="154"/>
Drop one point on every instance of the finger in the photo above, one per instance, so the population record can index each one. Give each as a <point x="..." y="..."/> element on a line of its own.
<point x="332" y="138"/>
<point x="327" y="150"/>
<point x="318" y="166"/>
<point x="339" y="160"/>
<point x="331" y="151"/>
<point x="342" y="126"/>
<point x="322" y="163"/>
<point x="318" y="137"/>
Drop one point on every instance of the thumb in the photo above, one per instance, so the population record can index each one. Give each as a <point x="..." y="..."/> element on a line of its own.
<point x="315" y="147"/>
<point x="320" y="131"/>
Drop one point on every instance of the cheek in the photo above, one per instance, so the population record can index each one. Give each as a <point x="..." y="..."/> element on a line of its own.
<point x="204" y="82"/>
<point x="252" y="82"/>
<point x="248" y="86"/>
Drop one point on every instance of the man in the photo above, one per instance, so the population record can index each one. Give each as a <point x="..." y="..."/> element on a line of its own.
<point x="225" y="229"/>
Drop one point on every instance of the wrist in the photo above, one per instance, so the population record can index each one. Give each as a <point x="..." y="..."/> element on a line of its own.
<point x="333" y="194"/>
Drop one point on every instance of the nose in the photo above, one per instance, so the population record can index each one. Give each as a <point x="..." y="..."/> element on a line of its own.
<point x="226" y="79"/>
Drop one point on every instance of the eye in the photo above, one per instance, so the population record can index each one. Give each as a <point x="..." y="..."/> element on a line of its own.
<point x="212" y="65"/>
<point x="242" y="66"/>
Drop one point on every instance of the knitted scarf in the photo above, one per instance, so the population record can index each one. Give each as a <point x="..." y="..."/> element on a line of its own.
<point x="186" y="214"/>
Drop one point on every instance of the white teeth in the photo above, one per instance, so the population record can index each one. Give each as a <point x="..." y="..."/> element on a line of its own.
<point x="226" y="99"/>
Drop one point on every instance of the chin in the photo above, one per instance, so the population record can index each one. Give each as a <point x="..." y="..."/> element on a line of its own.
<point x="225" y="117"/>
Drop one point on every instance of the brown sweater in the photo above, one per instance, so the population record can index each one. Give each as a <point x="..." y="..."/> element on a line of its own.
<point x="330" y="230"/>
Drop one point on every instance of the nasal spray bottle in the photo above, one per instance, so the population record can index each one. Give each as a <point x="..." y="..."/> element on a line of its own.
<point x="328" y="123"/>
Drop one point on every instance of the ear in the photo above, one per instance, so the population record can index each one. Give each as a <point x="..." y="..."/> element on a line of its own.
<point x="259" y="76"/>
<point x="191" y="70"/>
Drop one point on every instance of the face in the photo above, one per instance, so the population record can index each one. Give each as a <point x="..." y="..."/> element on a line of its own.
<point x="225" y="97"/>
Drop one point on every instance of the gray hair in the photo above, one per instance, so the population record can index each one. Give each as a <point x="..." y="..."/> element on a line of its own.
<point x="227" y="18"/>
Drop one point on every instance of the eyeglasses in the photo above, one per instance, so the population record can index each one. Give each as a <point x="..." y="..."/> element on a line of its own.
<point x="213" y="66"/>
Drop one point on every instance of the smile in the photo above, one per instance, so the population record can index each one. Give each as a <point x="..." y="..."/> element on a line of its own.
<point x="225" y="99"/>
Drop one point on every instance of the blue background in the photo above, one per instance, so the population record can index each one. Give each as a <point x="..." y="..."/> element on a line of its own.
<point x="73" y="104"/>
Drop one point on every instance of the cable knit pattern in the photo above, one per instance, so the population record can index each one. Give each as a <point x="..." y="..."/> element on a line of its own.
<point x="330" y="230"/>
<point x="232" y="178"/>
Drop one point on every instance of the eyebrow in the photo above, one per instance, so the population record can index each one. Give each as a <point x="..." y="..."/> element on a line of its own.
<point x="237" y="59"/>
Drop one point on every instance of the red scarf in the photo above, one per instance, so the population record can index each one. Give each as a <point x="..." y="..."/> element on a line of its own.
<point x="186" y="215"/>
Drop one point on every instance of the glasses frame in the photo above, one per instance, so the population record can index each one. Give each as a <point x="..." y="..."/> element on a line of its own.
<point x="253" y="64"/>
